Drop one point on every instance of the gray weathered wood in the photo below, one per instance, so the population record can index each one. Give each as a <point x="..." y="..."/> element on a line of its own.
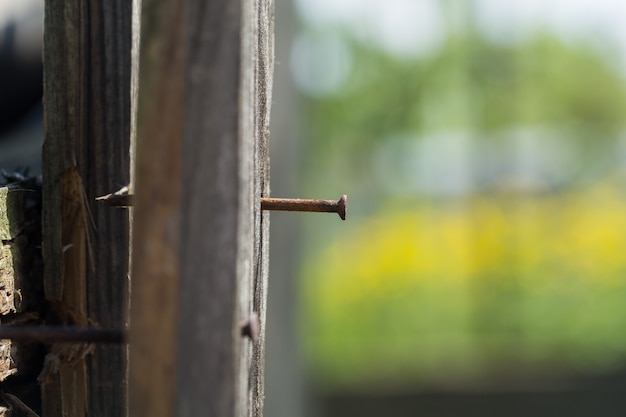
<point x="200" y="238"/>
<point x="87" y="103"/>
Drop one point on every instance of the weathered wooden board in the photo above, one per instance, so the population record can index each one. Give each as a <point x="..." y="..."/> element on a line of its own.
<point x="200" y="238"/>
<point x="86" y="153"/>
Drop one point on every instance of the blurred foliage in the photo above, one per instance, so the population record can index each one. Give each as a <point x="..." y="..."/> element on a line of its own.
<point x="436" y="291"/>
<point x="470" y="84"/>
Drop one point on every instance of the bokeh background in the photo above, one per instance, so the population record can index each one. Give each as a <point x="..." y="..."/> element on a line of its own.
<point x="482" y="268"/>
<point x="21" y="86"/>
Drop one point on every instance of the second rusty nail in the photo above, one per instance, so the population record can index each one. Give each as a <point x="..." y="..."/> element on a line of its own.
<point x="297" y="204"/>
<point x="250" y="328"/>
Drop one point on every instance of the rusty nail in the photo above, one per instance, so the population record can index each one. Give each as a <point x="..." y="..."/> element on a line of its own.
<point x="250" y="327"/>
<point x="60" y="334"/>
<point x="296" y="204"/>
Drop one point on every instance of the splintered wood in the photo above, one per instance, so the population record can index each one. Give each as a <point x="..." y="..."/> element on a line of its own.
<point x="11" y="221"/>
<point x="18" y="289"/>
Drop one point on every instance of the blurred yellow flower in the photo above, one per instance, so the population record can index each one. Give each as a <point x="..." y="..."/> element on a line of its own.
<point x="464" y="265"/>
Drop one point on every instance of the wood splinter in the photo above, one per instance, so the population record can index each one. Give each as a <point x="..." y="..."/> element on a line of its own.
<point x="120" y="198"/>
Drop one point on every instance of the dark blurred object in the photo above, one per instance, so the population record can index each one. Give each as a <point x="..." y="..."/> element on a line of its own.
<point x="21" y="66"/>
<point x="578" y="396"/>
<point x="8" y="177"/>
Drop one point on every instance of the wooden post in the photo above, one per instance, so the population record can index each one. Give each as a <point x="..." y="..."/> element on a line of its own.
<point x="87" y="112"/>
<point x="200" y="237"/>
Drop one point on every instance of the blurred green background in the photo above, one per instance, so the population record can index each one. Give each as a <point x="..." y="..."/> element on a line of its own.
<point x="483" y="150"/>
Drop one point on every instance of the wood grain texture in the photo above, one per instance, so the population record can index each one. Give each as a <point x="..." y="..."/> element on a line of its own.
<point x="200" y="238"/>
<point x="87" y="113"/>
<point x="217" y="201"/>
<point x="224" y="234"/>
<point x="262" y="54"/>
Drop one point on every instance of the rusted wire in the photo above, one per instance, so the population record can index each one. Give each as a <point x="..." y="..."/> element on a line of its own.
<point x="60" y="334"/>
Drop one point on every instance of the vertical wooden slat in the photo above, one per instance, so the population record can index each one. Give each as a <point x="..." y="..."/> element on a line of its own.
<point x="107" y="149"/>
<point x="216" y="213"/>
<point x="87" y="102"/>
<point x="262" y="54"/>
<point x="156" y="218"/>
<point x="200" y="239"/>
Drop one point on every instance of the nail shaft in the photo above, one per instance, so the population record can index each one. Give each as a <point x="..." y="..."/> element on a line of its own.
<point x="58" y="334"/>
<point x="297" y="204"/>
